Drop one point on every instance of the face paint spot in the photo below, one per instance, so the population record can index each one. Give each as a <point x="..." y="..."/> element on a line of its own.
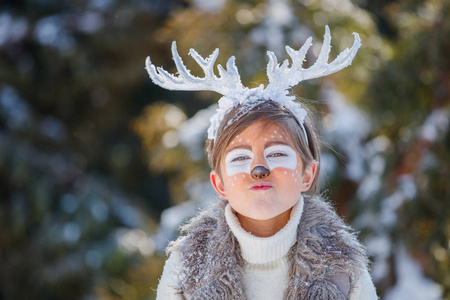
<point x="285" y="172"/>
<point x="295" y="180"/>
<point x="235" y="177"/>
<point x="243" y="175"/>
<point x="292" y="174"/>
<point x="248" y="141"/>
<point x="275" y="131"/>
<point x="265" y="139"/>
<point x="232" y="184"/>
<point x="296" y="171"/>
<point x="232" y="142"/>
<point x="280" y="136"/>
<point x="272" y="136"/>
<point x="240" y="140"/>
<point x="237" y="136"/>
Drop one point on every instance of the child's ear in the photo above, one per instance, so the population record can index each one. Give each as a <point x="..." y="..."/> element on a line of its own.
<point x="217" y="184"/>
<point x="308" y="176"/>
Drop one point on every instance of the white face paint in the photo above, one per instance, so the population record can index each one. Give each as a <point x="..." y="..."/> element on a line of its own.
<point x="281" y="156"/>
<point x="238" y="161"/>
<point x="278" y="156"/>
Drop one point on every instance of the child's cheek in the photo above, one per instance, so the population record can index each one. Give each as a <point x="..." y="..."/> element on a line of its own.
<point x="293" y="176"/>
<point x="234" y="181"/>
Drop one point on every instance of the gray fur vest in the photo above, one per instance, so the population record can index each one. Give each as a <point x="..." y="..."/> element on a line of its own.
<point x="213" y="266"/>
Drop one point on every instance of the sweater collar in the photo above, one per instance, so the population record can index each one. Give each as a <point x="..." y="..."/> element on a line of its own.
<point x="257" y="250"/>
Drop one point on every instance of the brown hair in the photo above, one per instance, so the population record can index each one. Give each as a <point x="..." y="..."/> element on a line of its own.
<point x="236" y="121"/>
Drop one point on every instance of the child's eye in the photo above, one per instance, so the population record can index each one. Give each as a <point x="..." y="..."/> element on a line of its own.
<point x="239" y="158"/>
<point x="277" y="154"/>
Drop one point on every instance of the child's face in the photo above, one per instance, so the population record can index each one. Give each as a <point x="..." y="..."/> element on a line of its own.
<point x="259" y="197"/>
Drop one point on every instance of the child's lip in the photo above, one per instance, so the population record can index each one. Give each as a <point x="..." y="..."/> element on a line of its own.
<point x="260" y="186"/>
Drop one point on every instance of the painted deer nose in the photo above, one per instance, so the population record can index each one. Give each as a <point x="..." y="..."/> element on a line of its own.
<point x="259" y="172"/>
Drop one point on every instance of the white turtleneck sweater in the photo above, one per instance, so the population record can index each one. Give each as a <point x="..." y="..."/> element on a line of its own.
<point x="266" y="266"/>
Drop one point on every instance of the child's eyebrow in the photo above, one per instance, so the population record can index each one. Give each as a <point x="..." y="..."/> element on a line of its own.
<point x="273" y="143"/>
<point x="248" y="147"/>
<point x="267" y="145"/>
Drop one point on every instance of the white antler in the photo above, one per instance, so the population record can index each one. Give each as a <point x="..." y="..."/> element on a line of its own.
<point x="228" y="82"/>
<point x="283" y="77"/>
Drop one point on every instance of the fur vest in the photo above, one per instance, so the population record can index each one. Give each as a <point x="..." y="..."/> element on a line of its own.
<point x="213" y="266"/>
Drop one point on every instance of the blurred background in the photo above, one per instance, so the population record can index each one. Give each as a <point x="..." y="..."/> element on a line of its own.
<point x="98" y="166"/>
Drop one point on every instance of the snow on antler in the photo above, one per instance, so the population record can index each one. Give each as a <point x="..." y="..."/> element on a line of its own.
<point x="228" y="82"/>
<point x="284" y="77"/>
<point x="281" y="78"/>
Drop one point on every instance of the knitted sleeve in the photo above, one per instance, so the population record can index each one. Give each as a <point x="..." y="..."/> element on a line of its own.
<point x="168" y="287"/>
<point x="364" y="288"/>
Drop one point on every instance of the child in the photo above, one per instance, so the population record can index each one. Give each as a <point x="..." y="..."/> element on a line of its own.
<point x="269" y="236"/>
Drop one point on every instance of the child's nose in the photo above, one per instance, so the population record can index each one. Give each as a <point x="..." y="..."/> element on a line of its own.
<point x="260" y="172"/>
<point x="260" y="168"/>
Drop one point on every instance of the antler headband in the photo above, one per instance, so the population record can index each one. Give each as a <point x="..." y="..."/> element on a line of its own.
<point x="281" y="78"/>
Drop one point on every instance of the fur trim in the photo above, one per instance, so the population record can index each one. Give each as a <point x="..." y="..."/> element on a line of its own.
<point x="213" y="265"/>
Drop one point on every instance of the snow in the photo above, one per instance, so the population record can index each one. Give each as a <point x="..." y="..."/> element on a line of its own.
<point x="50" y="31"/>
<point x="53" y="128"/>
<point x="13" y="108"/>
<point x="71" y="232"/>
<point x="99" y="209"/>
<point x="436" y="122"/>
<point x="346" y="126"/>
<point x="192" y="133"/>
<point x="411" y="283"/>
<point x="135" y="240"/>
<point x="126" y="213"/>
<point x="101" y="4"/>
<point x="93" y="258"/>
<point x="69" y="203"/>
<point x="270" y="34"/>
<point x="90" y="22"/>
<point x="406" y="190"/>
<point x="280" y="12"/>
<point x="210" y="6"/>
<point x="328" y="165"/>
<point x="338" y="6"/>
<point x="201" y="194"/>
<point x="170" y="139"/>
<point x="12" y="29"/>
<point x="371" y="183"/>
<point x="379" y="247"/>
<point x="173" y="116"/>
